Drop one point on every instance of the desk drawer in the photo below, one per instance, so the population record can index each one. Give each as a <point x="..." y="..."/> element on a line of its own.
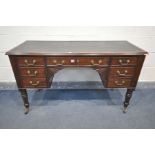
<point x="30" y="61"/>
<point x="123" y="61"/>
<point x="117" y="82"/>
<point x="78" y="61"/>
<point x="122" y="71"/>
<point x="32" y="72"/>
<point x="57" y="61"/>
<point x="93" y="61"/>
<point x="34" y="82"/>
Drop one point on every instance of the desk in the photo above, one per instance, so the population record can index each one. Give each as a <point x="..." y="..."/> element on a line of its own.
<point x="118" y="63"/>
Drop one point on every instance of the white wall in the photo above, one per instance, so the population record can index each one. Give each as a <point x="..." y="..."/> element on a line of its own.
<point x="143" y="37"/>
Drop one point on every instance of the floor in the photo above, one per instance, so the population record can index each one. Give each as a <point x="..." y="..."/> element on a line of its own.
<point x="78" y="109"/>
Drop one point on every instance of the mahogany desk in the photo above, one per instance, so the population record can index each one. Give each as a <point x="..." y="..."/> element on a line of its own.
<point x="118" y="63"/>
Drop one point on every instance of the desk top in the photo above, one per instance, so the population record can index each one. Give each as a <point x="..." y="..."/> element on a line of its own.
<point x="76" y="48"/>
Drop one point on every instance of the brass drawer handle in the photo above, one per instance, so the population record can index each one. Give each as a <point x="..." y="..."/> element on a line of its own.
<point x="99" y="62"/>
<point x="30" y="64"/>
<point x="34" y="84"/>
<point x="124" y="62"/>
<point x="54" y="61"/>
<point x="62" y="62"/>
<point x="122" y="74"/>
<point x="120" y="84"/>
<point x="93" y="63"/>
<point x="32" y="74"/>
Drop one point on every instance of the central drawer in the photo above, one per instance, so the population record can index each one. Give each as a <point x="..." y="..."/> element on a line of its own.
<point x="71" y="61"/>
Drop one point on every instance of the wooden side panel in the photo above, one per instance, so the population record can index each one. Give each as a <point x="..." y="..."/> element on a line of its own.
<point x="140" y="61"/>
<point x="14" y="65"/>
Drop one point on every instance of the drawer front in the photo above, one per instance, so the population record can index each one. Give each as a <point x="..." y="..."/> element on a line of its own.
<point x="32" y="72"/>
<point x="34" y="82"/>
<point x="61" y="61"/>
<point x="123" y="61"/>
<point x="78" y="61"/>
<point x="122" y="71"/>
<point x="117" y="82"/>
<point x="93" y="61"/>
<point x="30" y="61"/>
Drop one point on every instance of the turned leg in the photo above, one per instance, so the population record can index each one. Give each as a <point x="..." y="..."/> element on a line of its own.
<point x="127" y="99"/>
<point x="25" y="99"/>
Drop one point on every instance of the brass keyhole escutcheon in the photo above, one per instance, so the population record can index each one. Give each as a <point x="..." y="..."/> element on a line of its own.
<point x="72" y="60"/>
